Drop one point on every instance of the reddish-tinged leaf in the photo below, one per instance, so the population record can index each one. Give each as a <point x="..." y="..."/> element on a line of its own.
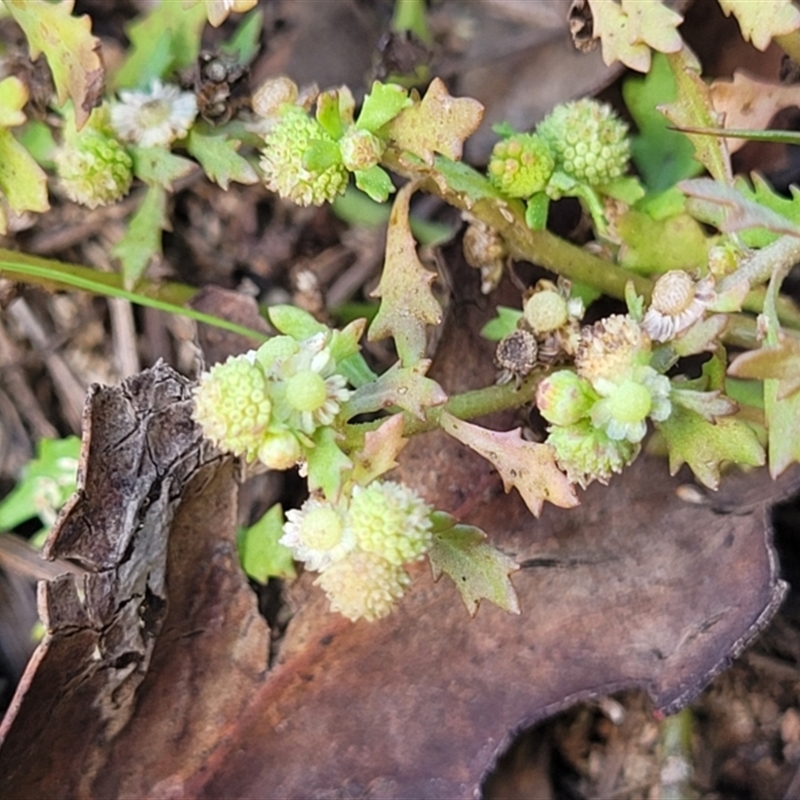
<point x="380" y="450"/>
<point x="730" y="210"/>
<point x="401" y="387"/>
<point x="746" y="102"/>
<point x="407" y="302"/>
<point x="529" y="467"/>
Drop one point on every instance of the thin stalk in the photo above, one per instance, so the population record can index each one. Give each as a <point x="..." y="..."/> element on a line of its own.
<point x="58" y="276"/>
<point x="469" y="405"/>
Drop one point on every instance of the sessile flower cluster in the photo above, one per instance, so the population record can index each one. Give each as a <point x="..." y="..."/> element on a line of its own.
<point x="95" y="166"/>
<point x="598" y="414"/>
<point x="267" y="404"/>
<point x="359" y="546"/>
<point x="580" y="149"/>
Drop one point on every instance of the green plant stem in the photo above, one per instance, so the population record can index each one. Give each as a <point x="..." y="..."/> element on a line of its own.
<point x="759" y="268"/>
<point x="508" y="218"/>
<point x="409" y="15"/>
<point x="676" y="757"/>
<point x="59" y="276"/>
<point x="469" y="405"/>
<point x="464" y="188"/>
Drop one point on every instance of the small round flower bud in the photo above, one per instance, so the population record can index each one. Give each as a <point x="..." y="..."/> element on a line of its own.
<point x="272" y="95"/>
<point x="521" y="165"/>
<point x="589" y="141"/>
<point x="723" y="259"/>
<point x="589" y="454"/>
<point x="306" y="391"/>
<point x="280" y="450"/>
<point x="94" y="169"/>
<point x="563" y="398"/>
<point x="317" y="534"/>
<point x="363" y="585"/>
<point x="610" y="348"/>
<point x="233" y="406"/>
<point x="545" y="311"/>
<point x="392" y="521"/>
<point x="360" y="149"/>
<point x="283" y="160"/>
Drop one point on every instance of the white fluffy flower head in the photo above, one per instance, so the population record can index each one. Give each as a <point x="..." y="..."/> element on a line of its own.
<point x="155" y="118"/>
<point x="314" y="391"/>
<point x="318" y="534"/>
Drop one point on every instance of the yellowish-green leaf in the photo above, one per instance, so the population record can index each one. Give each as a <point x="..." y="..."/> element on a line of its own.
<point x="380" y="451"/>
<point x="705" y="445"/>
<point x="72" y="53"/>
<point x="529" y="467"/>
<point x="326" y="463"/>
<point x="142" y="240"/>
<point x="783" y="424"/>
<point x="22" y="180"/>
<point x="13" y="96"/>
<point x="478" y="570"/>
<point x="761" y="21"/>
<point x="629" y="29"/>
<point x="218" y="158"/>
<point x="438" y="123"/>
<point x="781" y="362"/>
<point x="407" y="302"/>
<point x="156" y="166"/>
<point x="166" y="39"/>
<point x="694" y="108"/>
<point x="260" y="552"/>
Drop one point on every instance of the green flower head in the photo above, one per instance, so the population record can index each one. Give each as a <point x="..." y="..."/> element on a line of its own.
<point x="233" y="405"/>
<point x="589" y="454"/>
<point x="285" y="160"/>
<point x="521" y="165"/>
<point x="94" y="168"/>
<point x="626" y="405"/>
<point x="309" y="391"/>
<point x="392" y="521"/>
<point x="589" y="141"/>
<point x="363" y="585"/>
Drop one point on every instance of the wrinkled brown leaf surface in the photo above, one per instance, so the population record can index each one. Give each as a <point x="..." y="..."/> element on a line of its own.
<point x="633" y="588"/>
